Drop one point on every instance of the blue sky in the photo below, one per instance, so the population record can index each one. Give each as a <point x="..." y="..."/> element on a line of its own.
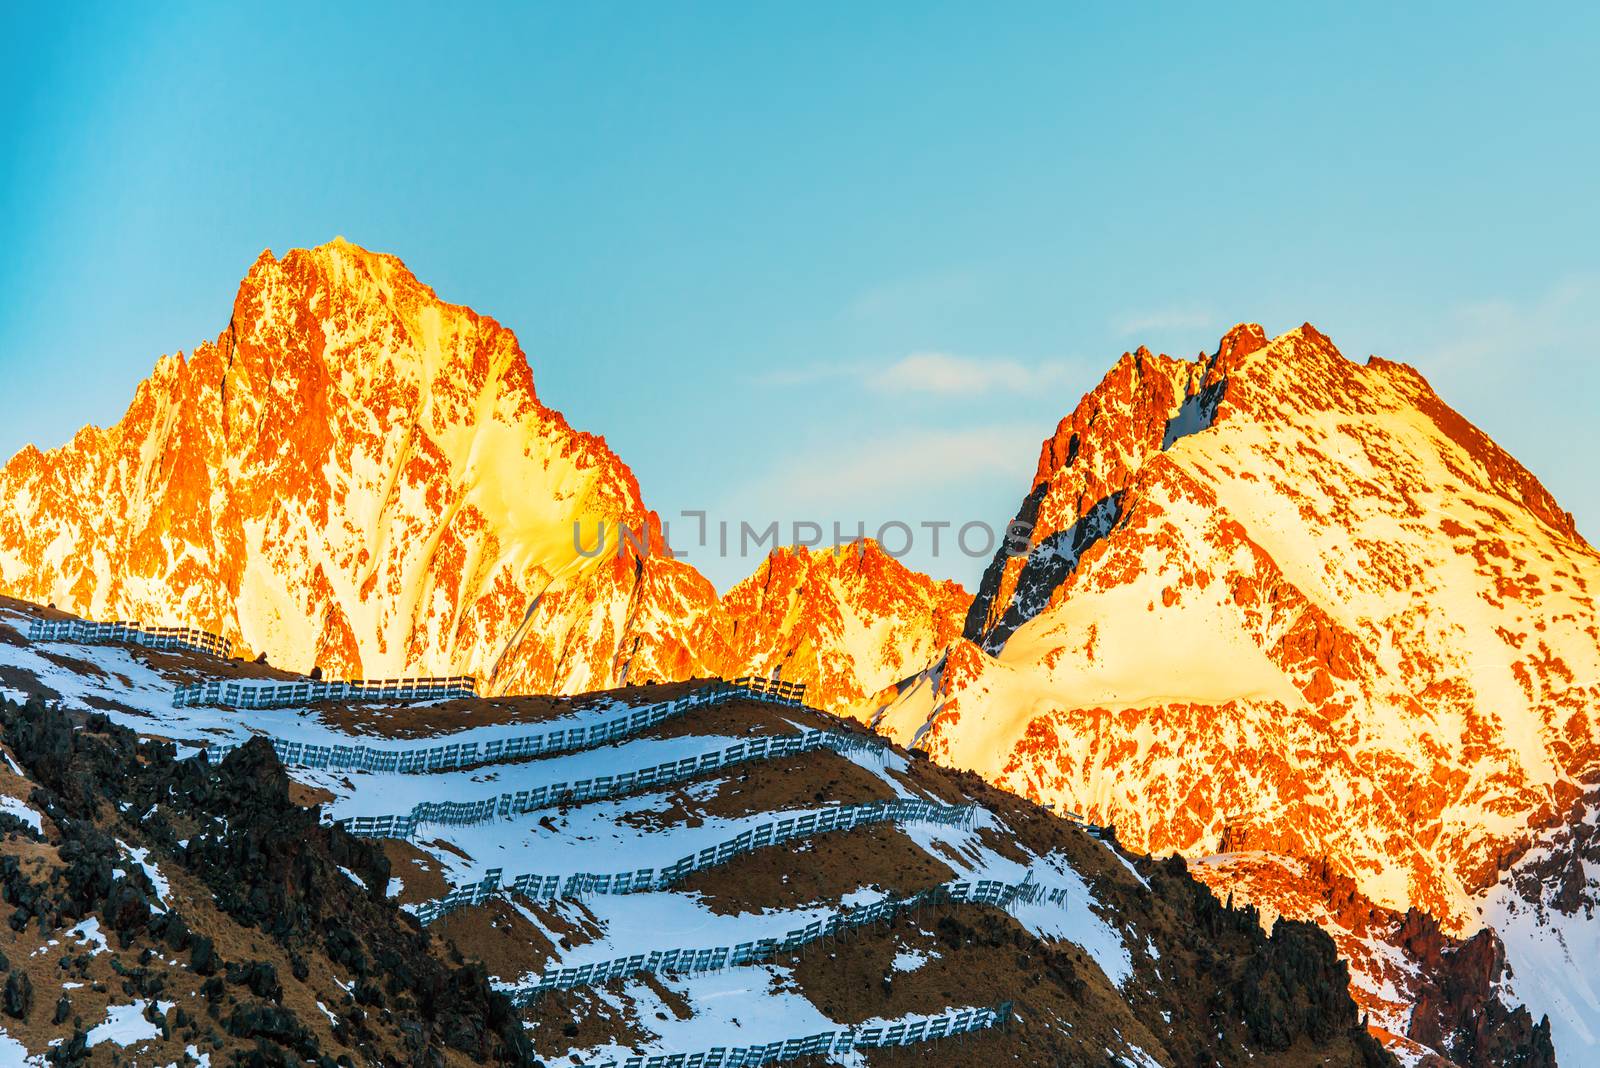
<point x="745" y="242"/>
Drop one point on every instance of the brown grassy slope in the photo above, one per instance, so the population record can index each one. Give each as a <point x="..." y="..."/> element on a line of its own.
<point x="1208" y="986"/>
<point x="260" y="926"/>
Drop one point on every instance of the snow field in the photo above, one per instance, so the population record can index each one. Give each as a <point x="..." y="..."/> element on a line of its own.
<point x="603" y="818"/>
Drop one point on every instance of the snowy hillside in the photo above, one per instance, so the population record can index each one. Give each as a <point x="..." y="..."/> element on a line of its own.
<point x="830" y="898"/>
<point x="1279" y="596"/>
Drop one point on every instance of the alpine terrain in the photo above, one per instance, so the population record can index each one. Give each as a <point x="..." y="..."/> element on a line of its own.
<point x="1279" y="746"/>
<point x="360" y="477"/>
<point x="662" y="876"/>
<point x="1295" y="619"/>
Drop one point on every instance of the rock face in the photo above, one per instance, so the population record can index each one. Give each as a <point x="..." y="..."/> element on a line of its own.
<point x="847" y="623"/>
<point x="359" y="476"/>
<point x="231" y="915"/>
<point x="1544" y="910"/>
<point x="1424" y="992"/>
<point x="1289" y="600"/>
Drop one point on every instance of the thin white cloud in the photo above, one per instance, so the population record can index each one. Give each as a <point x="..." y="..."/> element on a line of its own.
<point x="805" y="375"/>
<point x="1499" y="337"/>
<point x="857" y="485"/>
<point x="902" y="463"/>
<point x="935" y="373"/>
<point x="866" y="474"/>
<point x="912" y="298"/>
<point x="1161" y="320"/>
<point x="945" y="373"/>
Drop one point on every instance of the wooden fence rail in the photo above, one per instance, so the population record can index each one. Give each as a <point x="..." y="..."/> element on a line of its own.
<point x="861" y="1036"/>
<point x="422" y="759"/>
<point x="773" y="832"/>
<point x="88" y="632"/>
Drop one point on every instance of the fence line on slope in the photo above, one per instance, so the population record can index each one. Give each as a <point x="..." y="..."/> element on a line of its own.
<point x="422" y="759"/>
<point x="698" y="959"/>
<point x="90" y="632"/>
<point x="603" y="786"/>
<point x="247" y="694"/>
<point x="904" y="1032"/>
<point x="243" y="694"/>
<point x="773" y="832"/>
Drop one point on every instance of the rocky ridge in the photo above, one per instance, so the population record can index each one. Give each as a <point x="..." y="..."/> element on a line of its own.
<point x="359" y="476"/>
<point x="1276" y="590"/>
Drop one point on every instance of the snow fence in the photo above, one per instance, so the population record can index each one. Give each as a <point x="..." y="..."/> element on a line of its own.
<point x="686" y="960"/>
<point x="774" y="832"/>
<point x="236" y="694"/>
<point x="87" y="632"/>
<point x="404" y="825"/>
<point x="248" y="694"/>
<point x="905" y="1032"/>
<point x="449" y="757"/>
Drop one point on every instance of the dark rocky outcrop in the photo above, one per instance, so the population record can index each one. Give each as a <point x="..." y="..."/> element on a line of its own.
<point x="1458" y="1008"/>
<point x="269" y="864"/>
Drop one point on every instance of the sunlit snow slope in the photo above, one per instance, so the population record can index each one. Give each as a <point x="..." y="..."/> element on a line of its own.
<point x="1294" y="598"/>
<point x="360" y="476"/>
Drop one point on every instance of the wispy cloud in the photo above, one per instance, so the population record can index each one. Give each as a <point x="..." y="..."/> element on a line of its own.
<point x="934" y="373"/>
<point x="900" y="464"/>
<point x="805" y="374"/>
<point x="1498" y="337"/>
<point x="913" y="470"/>
<point x="914" y="296"/>
<point x="909" y="476"/>
<point x="1159" y="320"/>
<point x="945" y="373"/>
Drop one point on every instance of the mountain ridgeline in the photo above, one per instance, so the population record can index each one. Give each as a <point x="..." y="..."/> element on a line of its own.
<point x="358" y="476"/>
<point x="1286" y="616"/>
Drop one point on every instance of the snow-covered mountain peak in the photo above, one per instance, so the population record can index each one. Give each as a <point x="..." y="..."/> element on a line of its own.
<point x="847" y="621"/>
<point x="360" y="476"/>
<point x="1278" y="590"/>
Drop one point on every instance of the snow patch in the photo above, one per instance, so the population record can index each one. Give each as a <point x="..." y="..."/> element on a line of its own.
<point x="23" y="811"/>
<point x="89" y="934"/>
<point x="125" y="1024"/>
<point x="141" y="857"/>
<point x="909" y="960"/>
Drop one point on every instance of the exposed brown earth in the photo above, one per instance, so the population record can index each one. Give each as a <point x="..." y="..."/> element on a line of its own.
<point x="244" y="949"/>
<point x="819" y="869"/>
<point x="417" y="871"/>
<point x="1207" y="981"/>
